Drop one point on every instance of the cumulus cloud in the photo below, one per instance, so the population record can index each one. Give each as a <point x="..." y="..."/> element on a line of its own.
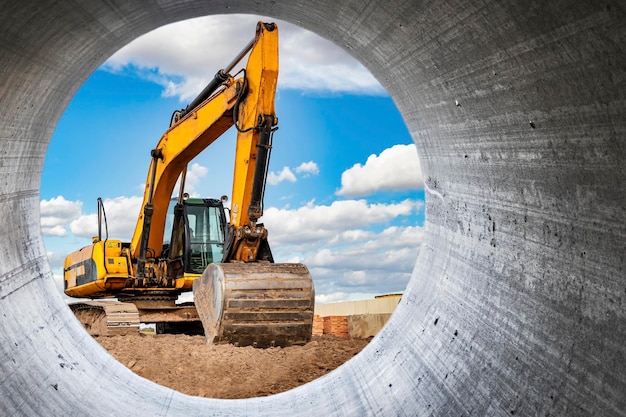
<point x="285" y="175"/>
<point x="308" y="168"/>
<point x="305" y="169"/>
<point x="396" y="168"/>
<point x="121" y="214"/>
<point x="379" y="263"/>
<point x="56" y="214"/>
<point x="310" y="62"/>
<point x="182" y="57"/>
<point x="338" y="221"/>
<point x="192" y="179"/>
<point x="57" y="230"/>
<point x="393" y="250"/>
<point x="331" y="298"/>
<point x="345" y="247"/>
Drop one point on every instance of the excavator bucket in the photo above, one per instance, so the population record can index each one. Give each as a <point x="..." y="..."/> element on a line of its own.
<point x="256" y="304"/>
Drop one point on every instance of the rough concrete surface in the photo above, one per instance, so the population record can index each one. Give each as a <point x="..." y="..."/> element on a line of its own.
<point x="517" y="305"/>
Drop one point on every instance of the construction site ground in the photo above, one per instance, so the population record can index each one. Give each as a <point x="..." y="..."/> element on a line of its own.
<point x="191" y="366"/>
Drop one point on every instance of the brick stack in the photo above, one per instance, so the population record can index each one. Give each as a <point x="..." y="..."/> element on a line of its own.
<point x="336" y="326"/>
<point x="318" y="325"/>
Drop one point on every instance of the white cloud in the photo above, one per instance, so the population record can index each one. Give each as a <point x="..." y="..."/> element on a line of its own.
<point x="396" y="168"/>
<point x="337" y="221"/>
<point x="393" y="250"/>
<point x="285" y="175"/>
<point x="331" y="298"/>
<point x="308" y="168"/>
<point x="121" y="214"/>
<point x="380" y="263"/>
<point x="57" y="230"/>
<point x="182" y="57"/>
<point x="344" y="247"/>
<point x="310" y="62"/>
<point x="305" y="169"/>
<point x="56" y="214"/>
<point x="192" y="179"/>
<point x="60" y="207"/>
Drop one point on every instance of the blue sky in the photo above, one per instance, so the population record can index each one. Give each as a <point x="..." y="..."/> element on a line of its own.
<point x="344" y="195"/>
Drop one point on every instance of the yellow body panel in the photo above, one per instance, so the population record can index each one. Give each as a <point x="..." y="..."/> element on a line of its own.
<point x="95" y="269"/>
<point x="186" y="282"/>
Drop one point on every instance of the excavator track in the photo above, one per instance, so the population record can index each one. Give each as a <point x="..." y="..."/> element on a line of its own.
<point x="256" y="304"/>
<point x="107" y="318"/>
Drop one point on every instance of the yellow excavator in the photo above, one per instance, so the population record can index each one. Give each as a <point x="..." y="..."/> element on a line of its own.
<point x="182" y="244"/>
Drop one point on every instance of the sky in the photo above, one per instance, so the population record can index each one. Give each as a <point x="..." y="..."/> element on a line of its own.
<point x="344" y="196"/>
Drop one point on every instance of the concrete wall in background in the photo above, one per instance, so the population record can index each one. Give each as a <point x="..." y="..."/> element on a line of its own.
<point x="362" y="326"/>
<point x="381" y="305"/>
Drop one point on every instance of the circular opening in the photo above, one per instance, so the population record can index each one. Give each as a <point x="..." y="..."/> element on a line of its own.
<point x="343" y="194"/>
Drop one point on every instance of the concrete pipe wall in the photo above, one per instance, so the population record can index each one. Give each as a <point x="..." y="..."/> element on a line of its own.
<point x="517" y="304"/>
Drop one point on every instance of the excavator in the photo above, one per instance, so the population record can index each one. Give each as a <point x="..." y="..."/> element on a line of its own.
<point x="181" y="244"/>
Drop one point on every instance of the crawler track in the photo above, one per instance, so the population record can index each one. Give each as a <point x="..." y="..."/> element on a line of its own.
<point x="107" y="318"/>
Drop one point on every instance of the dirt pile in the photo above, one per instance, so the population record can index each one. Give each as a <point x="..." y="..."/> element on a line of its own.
<point x="188" y="365"/>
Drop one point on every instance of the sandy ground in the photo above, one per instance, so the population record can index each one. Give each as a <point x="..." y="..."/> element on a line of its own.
<point x="187" y="364"/>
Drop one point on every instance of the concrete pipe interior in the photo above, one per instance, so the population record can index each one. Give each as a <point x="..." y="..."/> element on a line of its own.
<point x="517" y="304"/>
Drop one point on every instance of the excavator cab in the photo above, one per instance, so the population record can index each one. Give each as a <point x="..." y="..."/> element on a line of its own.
<point x="201" y="228"/>
<point x="205" y="225"/>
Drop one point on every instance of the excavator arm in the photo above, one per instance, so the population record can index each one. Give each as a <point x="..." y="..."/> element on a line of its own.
<point x="248" y="104"/>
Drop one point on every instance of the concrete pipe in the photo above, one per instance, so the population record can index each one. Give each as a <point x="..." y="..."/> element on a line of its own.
<point x="517" y="304"/>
